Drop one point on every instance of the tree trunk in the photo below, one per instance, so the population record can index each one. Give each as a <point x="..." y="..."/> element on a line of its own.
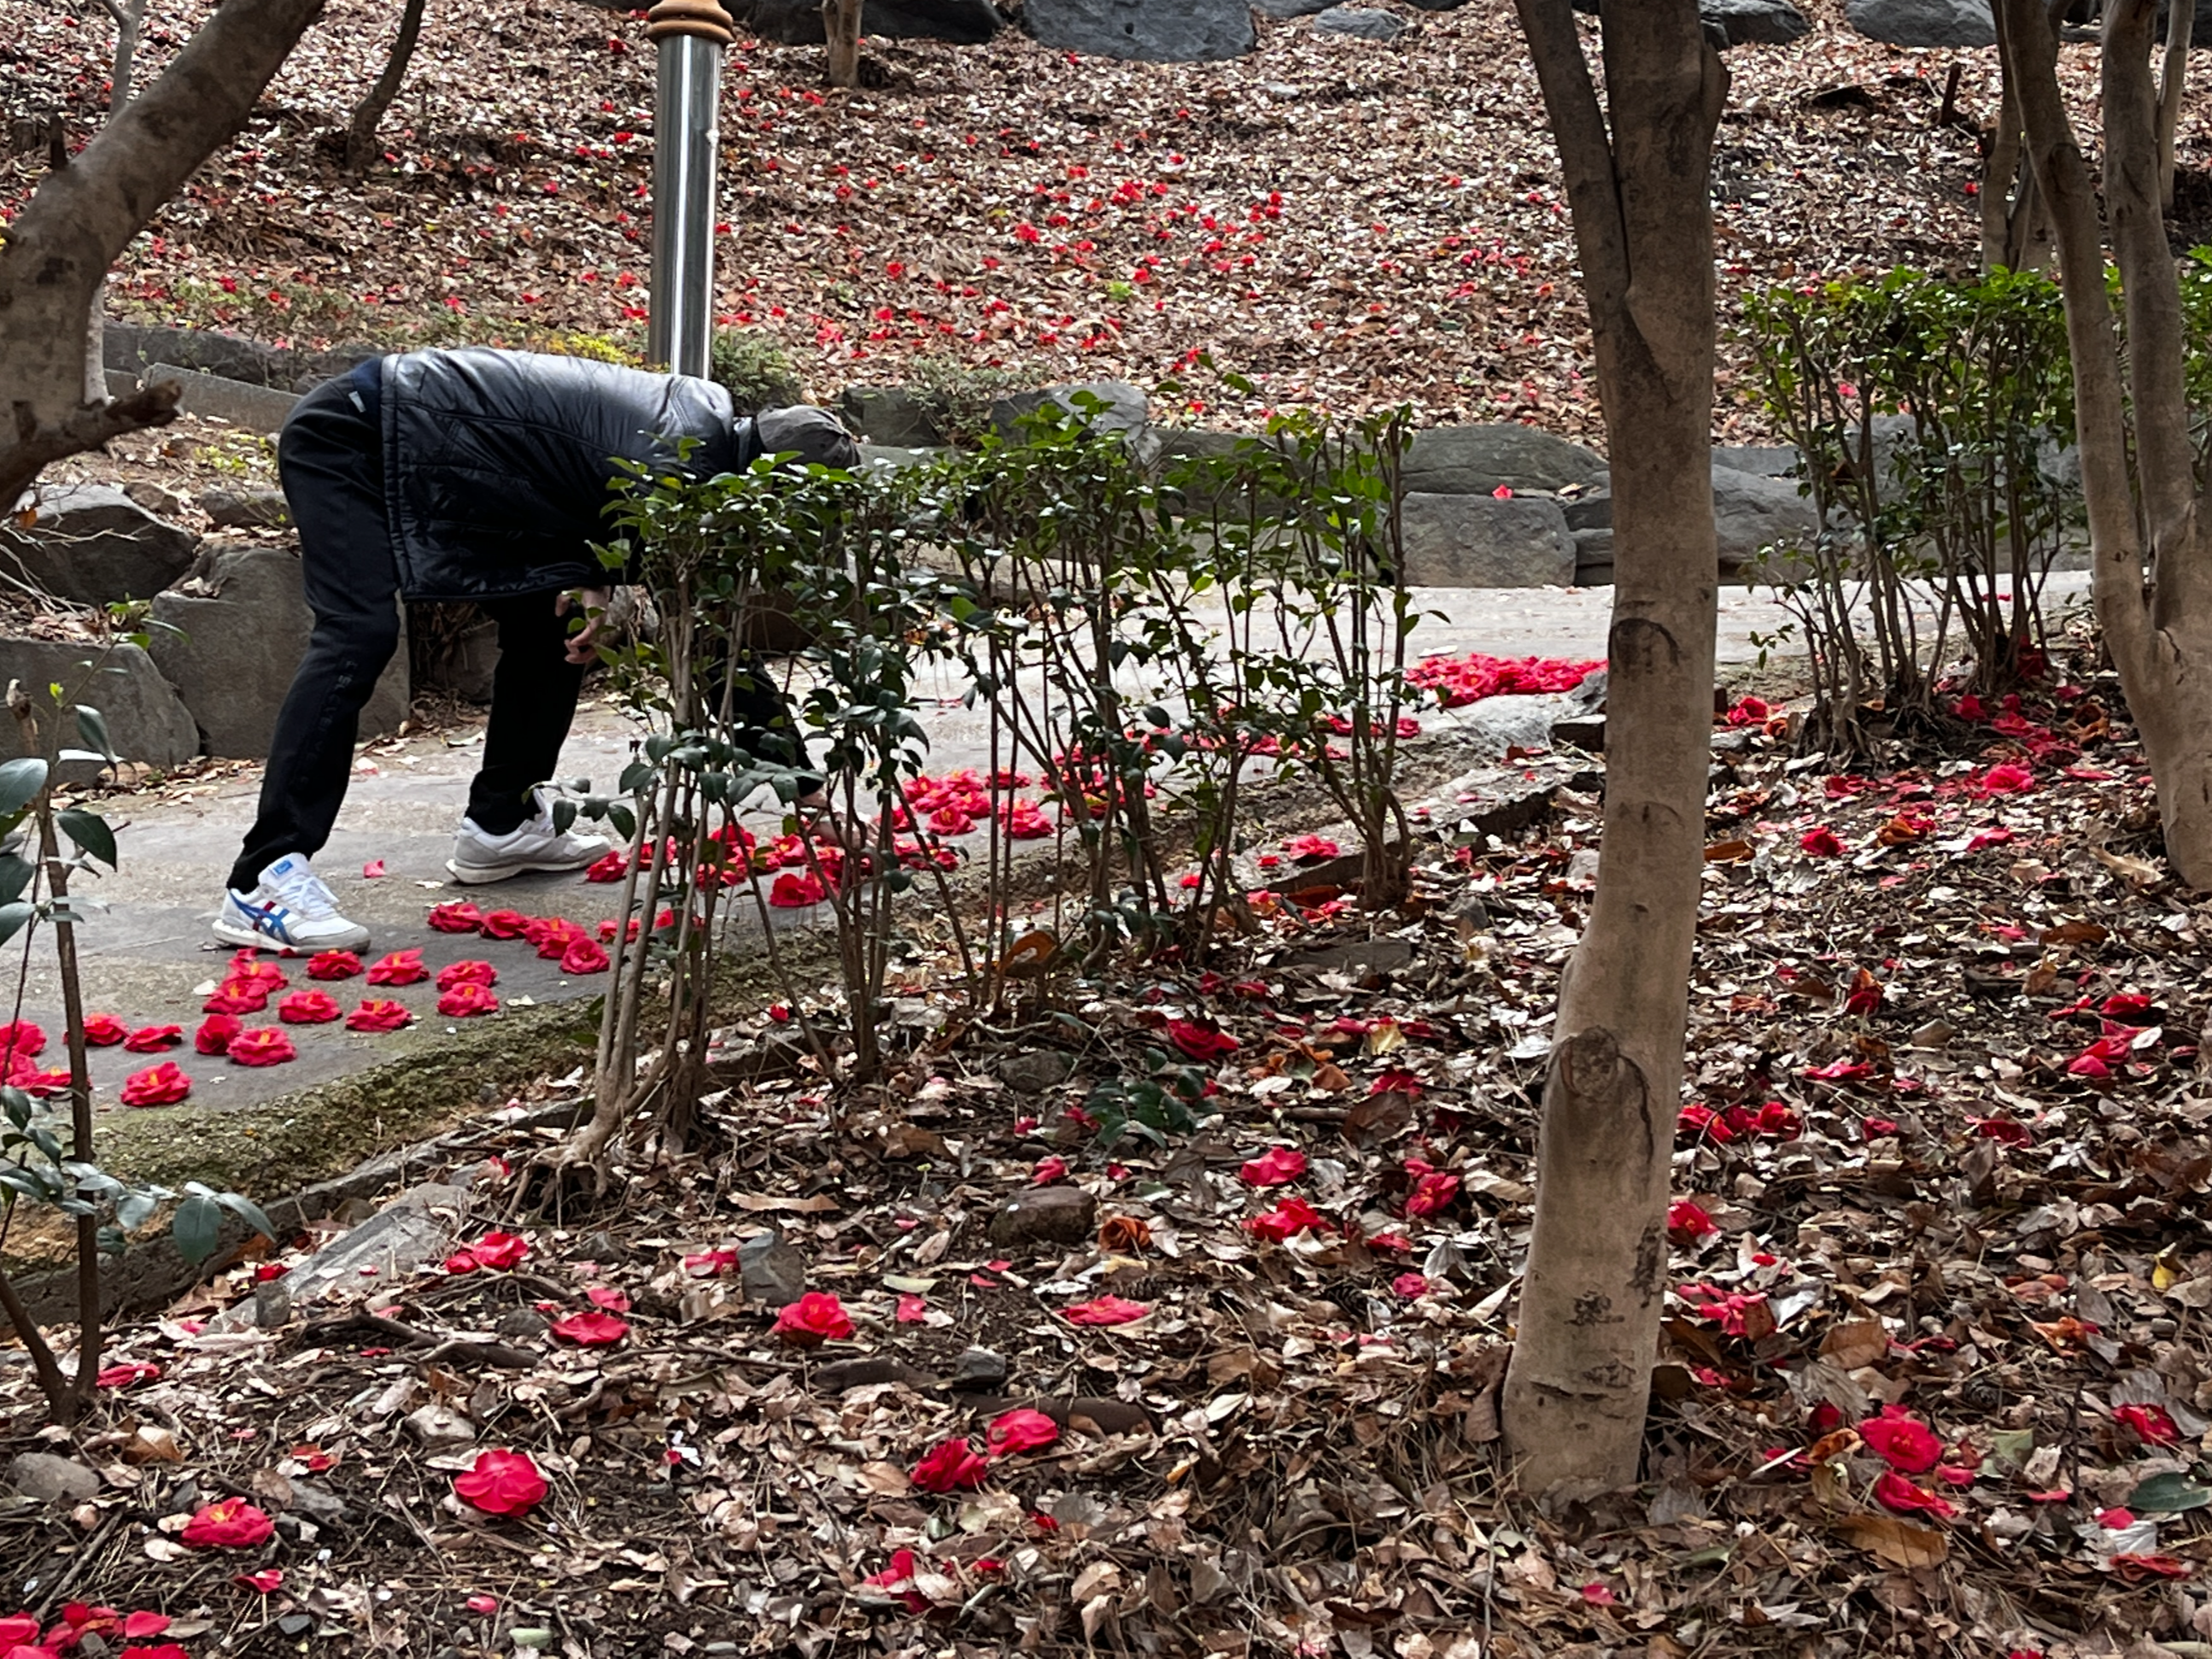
<point x="841" y="25"/>
<point x="1577" y="1387"/>
<point x="130" y="17"/>
<point x="2152" y="571"/>
<point x="2015" y="223"/>
<point x="2173" y="84"/>
<point x="85" y="213"/>
<point x="360" y="131"/>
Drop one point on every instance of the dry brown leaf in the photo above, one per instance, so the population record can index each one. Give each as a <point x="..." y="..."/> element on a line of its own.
<point x="1895" y="1543"/>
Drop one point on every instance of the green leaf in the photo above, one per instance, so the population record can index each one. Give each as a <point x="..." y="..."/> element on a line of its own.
<point x="16" y="875"/>
<point x="20" y="779"/>
<point x="13" y="920"/>
<point x="89" y="831"/>
<point x="248" y="1212"/>
<point x="2170" y="1493"/>
<point x="92" y="727"/>
<point x="197" y="1224"/>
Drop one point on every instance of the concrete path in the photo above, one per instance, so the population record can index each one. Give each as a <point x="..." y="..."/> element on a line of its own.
<point x="150" y="959"/>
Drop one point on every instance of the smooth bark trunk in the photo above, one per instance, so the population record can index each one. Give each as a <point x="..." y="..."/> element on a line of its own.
<point x="2151" y="570"/>
<point x="2173" y="86"/>
<point x="841" y="25"/>
<point x="84" y="214"/>
<point x="1578" y="1385"/>
<point x="361" y="131"/>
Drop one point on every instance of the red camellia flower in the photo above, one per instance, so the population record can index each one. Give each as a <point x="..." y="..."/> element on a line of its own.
<point x="1199" y="1042"/>
<point x="458" y="917"/>
<point x="1902" y="1440"/>
<point x="466" y="1000"/>
<point x="793" y="891"/>
<point x="1020" y="1430"/>
<point x="215" y="1032"/>
<point x="1107" y="1310"/>
<point x="377" y="1014"/>
<point x="237" y="996"/>
<point x="399" y="968"/>
<point x="2154" y="1422"/>
<point x="157" y="1085"/>
<point x="1873" y="1128"/>
<point x="897" y="1579"/>
<point x="815" y="1318"/>
<point x="125" y="1376"/>
<point x="1687" y="1222"/>
<point x="949" y="1466"/>
<point x="266" y="1582"/>
<point x="101" y="1032"/>
<point x="228" y="1523"/>
<point x="709" y="1264"/>
<point x="592" y="1330"/>
<point x="1292" y="1215"/>
<point x="248" y="966"/>
<point x="263" y="1045"/>
<point x="502" y="1483"/>
<point x="20" y="1039"/>
<point x="610" y="866"/>
<point x="552" y="934"/>
<point x="582" y="955"/>
<point x="307" y="1008"/>
<point x="1275" y="1167"/>
<point x="1894" y="1492"/>
<point x="1432" y="1189"/>
<point x="1820" y="843"/>
<point x="504" y="924"/>
<point x="333" y="964"/>
<point x="466" y="973"/>
<point x="1409" y="1286"/>
<point x="499" y="1250"/>
<point x="1312" y="849"/>
<point x="1048" y="1169"/>
<point x="153" y="1039"/>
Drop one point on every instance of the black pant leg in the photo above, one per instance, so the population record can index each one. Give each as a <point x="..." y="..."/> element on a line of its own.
<point x="533" y="702"/>
<point x="331" y="463"/>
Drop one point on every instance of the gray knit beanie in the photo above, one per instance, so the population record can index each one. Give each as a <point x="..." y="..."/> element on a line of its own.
<point x="813" y="434"/>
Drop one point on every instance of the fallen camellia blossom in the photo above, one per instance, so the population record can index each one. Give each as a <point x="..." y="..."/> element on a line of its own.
<point x="792" y="892"/>
<point x="457" y="916"/>
<point x="215" y="1032"/>
<point x="19" y="1040"/>
<point x="333" y="964"/>
<point x="911" y="1310"/>
<point x="373" y="870"/>
<point x="2154" y="1423"/>
<point x="1902" y="1440"/>
<point x="609" y="867"/>
<point x="500" y="1249"/>
<point x="505" y="924"/>
<point x="466" y="973"/>
<point x="552" y="936"/>
<point x="1819" y="842"/>
<point x="228" y="1523"/>
<point x="248" y="966"/>
<point x="502" y="1483"/>
<point x="1894" y="1492"/>
<point x="709" y="1264"/>
<point x="815" y="1318"/>
<point x="1409" y="1286"/>
<point x="1311" y="849"/>
<point x="949" y="1466"/>
<point x="154" y="1039"/>
<point x="237" y="996"/>
<point x="1106" y="1310"/>
<point x="378" y="1014"/>
<point x="263" y="1045"/>
<point x="582" y="955"/>
<point x="590" y="1330"/>
<point x="1199" y="1042"/>
<point x="1275" y="1167"/>
<point x="266" y="1582"/>
<point x="896" y="1579"/>
<point x="1020" y="1430"/>
<point x="1433" y="1189"/>
<point x="1291" y="1216"/>
<point x="1687" y="1222"/>
<point x="398" y="967"/>
<point x="1048" y="1170"/>
<point x="157" y="1085"/>
<point x="466" y="1000"/>
<point x="102" y="1031"/>
<point x="307" y="1008"/>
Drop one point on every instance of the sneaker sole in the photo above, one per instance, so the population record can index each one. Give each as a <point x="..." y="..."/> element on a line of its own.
<point x="231" y="933"/>
<point x="478" y="875"/>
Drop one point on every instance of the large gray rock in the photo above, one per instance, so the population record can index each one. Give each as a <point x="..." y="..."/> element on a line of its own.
<point x="145" y="721"/>
<point x="49" y="1478"/>
<point x="1126" y="411"/>
<point x="246" y="509"/>
<point x="1363" y="23"/>
<point x="236" y="645"/>
<point x="1768" y="460"/>
<point x="1477" y="541"/>
<point x="1285" y="9"/>
<point x="1156" y="30"/>
<point x="1475" y="461"/>
<point x="213" y="398"/>
<point x="1755" y="22"/>
<point x="799" y="22"/>
<point x="888" y="415"/>
<point x="92" y="544"/>
<point x="131" y="349"/>
<point x="1751" y="512"/>
<point x="1923" y="22"/>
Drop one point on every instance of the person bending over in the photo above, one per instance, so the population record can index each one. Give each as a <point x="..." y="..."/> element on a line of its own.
<point x="483" y="476"/>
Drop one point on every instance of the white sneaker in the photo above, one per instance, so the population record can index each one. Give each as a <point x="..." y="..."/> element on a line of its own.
<point x="479" y="857"/>
<point x="290" y="910"/>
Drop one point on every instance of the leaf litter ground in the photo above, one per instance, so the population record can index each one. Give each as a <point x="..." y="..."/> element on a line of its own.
<point x="1934" y="1379"/>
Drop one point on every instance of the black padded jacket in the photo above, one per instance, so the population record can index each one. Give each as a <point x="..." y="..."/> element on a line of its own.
<point x="499" y="466"/>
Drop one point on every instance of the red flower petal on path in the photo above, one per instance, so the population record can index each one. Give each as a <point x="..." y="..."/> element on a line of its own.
<point x="237" y="996"/>
<point x="373" y="870"/>
<point x="502" y="1483"/>
<point x="467" y="1000"/>
<point x="1048" y="1170"/>
<point x="607" y="1296"/>
<point x="1409" y="1286"/>
<point x="897" y="1579"/>
<point x="793" y="891"/>
<point x="102" y="1031"/>
<point x="1894" y="1492"/>
<point x="228" y="1523"/>
<point x="709" y="1264"/>
<point x="333" y="964"/>
<point x="459" y="916"/>
<point x="582" y="955"/>
<point x="215" y="1032"/>
<point x="1274" y="1167"/>
<point x="398" y="967"/>
<point x="2153" y="1423"/>
<point x="1199" y="1042"/>
<point x="307" y="1008"/>
<point x="504" y="924"/>
<point x="1687" y="1221"/>
<point x="20" y="1039"/>
<point x="144" y="1622"/>
<point x="157" y="1085"/>
<point x="1106" y="1310"/>
<point x="153" y="1039"/>
<point x="592" y="1330"/>
<point x="466" y="973"/>
<point x="486" y="1605"/>
<point x="912" y="1310"/>
<point x="1292" y="1216"/>
<point x="264" y="1583"/>
<point x="263" y="1045"/>
<point x="247" y="965"/>
<point x="1902" y="1440"/>
<point x="949" y="1466"/>
<point x="1820" y="843"/>
<point x="1019" y="1431"/>
<point x="610" y="866"/>
<point x="815" y="1318"/>
<point x="123" y="1376"/>
<point x="499" y="1250"/>
<point x="378" y="1014"/>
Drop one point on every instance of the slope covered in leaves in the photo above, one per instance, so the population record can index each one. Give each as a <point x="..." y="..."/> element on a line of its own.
<point x="1352" y="223"/>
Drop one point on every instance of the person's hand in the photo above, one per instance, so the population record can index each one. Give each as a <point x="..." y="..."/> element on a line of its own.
<point x="584" y="646"/>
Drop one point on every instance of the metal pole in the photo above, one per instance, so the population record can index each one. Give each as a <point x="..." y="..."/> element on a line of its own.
<point x="691" y="35"/>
